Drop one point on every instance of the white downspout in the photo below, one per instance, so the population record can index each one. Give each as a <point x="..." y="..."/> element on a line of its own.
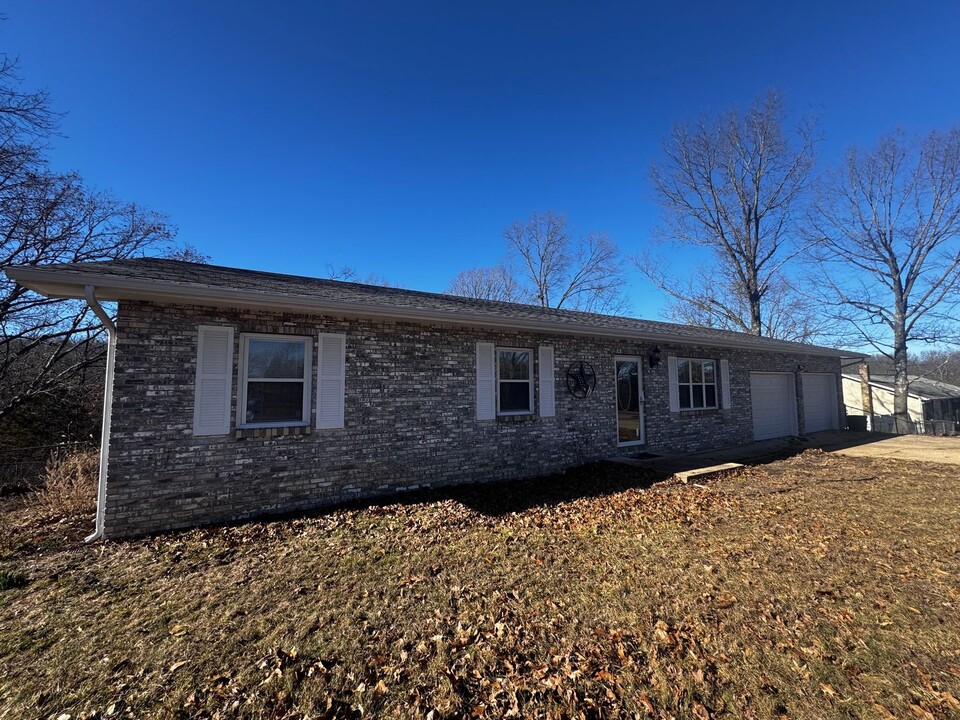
<point x="89" y="293"/>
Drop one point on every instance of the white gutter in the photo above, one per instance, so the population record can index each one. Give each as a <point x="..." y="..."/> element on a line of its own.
<point x="89" y="292"/>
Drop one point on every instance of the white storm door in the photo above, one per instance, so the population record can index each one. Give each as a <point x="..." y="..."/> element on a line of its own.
<point x="629" y="378"/>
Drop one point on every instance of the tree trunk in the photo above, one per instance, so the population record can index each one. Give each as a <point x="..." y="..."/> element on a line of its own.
<point x="866" y="392"/>
<point x="900" y="381"/>
<point x="756" y="322"/>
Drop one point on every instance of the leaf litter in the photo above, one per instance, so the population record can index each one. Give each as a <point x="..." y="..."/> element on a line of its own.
<point x="816" y="586"/>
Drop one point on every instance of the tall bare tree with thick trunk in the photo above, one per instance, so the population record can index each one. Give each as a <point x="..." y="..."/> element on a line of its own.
<point x="560" y="270"/>
<point x="710" y="296"/>
<point x="887" y="246"/>
<point x="735" y="185"/>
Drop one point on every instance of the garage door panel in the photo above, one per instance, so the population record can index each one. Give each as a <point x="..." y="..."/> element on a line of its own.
<point x="774" y="405"/>
<point x="820" y="402"/>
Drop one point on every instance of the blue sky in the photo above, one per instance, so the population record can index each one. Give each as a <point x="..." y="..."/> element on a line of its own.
<point x="401" y="138"/>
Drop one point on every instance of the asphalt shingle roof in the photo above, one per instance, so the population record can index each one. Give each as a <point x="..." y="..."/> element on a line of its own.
<point x="185" y="275"/>
<point x="926" y="387"/>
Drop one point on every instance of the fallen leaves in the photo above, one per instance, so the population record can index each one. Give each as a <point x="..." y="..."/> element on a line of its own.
<point x="784" y="591"/>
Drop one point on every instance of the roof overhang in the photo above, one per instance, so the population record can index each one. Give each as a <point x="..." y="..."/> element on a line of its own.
<point x="69" y="284"/>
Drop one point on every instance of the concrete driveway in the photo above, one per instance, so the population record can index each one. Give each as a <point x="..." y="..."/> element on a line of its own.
<point x="921" y="448"/>
<point x="925" y="448"/>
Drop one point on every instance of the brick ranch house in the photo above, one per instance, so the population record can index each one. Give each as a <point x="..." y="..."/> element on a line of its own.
<point x="234" y="393"/>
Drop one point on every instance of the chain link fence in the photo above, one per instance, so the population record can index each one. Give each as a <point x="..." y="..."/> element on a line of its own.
<point x="892" y="425"/>
<point x="21" y="468"/>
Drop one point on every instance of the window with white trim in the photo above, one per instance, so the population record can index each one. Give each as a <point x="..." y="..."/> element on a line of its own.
<point x="274" y="384"/>
<point x="514" y="381"/>
<point x="697" y="384"/>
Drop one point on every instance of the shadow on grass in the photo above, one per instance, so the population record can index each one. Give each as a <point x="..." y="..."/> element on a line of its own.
<point x="511" y="496"/>
<point x="502" y="497"/>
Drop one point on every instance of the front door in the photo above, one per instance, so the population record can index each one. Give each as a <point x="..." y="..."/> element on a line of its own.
<point x="629" y="401"/>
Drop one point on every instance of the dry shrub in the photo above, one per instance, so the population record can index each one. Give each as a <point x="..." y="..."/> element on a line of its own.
<point x="69" y="483"/>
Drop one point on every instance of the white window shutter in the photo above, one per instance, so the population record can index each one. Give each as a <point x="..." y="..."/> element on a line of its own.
<point x="672" y="389"/>
<point x="331" y="380"/>
<point x="547" y="382"/>
<point x="725" y="383"/>
<point x="214" y="380"/>
<point x="486" y="382"/>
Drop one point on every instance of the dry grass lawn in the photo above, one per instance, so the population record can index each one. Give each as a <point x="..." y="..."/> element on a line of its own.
<point x="813" y="587"/>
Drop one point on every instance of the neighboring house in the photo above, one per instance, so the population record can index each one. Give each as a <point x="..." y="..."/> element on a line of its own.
<point x="237" y="393"/>
<point x="929" y="402"/>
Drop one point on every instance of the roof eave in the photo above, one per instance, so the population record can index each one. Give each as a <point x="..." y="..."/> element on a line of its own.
<point x="69" y="284"/>
<point x="889" y="388"/>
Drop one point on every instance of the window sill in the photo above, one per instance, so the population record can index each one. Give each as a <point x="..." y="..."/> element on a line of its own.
<point x="517" y="418"/>
<point x="273" y="432"/>
<point x="697" y="412"/>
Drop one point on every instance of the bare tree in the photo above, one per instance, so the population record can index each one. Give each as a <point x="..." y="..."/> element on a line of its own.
<point x="490" y="283"/>
<point x="941" y="365"/>
<point x="733" y="185"/>
<point x="548" y="266"/>
<point x="47" y="217"/>
<point x="710" y="297"/>
<point x="25" y="116"/>
<point x="348" y="274"/>
<point x="887" y="246"/>
<point x="558" y="270"/>
<point x="187" y="253"/>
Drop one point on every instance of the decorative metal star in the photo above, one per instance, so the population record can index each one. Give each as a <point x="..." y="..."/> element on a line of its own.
<point x="581" y="379"/>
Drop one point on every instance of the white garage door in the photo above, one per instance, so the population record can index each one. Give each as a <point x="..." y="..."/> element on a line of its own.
<point x="774" y="405"/>
<point x="819" y="402"/>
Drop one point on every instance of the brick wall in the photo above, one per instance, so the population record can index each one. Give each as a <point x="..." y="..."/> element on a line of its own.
<point x="409" y="417"/>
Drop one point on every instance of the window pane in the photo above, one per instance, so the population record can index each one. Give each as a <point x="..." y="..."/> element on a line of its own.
<point x="628" y="385"/>
<point x="514" y="365"/>
<point x="709" y="372"/>
<point x="683" y="371"/>
<point x="696" y="369"/>
<point x="711" y="391"/>
<point x="514" y="397"/>
<point x="685" y="396"/>
<point x="274" y="358"/>
<point x="698" y="396"/>
<point x="274" y="402"/>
